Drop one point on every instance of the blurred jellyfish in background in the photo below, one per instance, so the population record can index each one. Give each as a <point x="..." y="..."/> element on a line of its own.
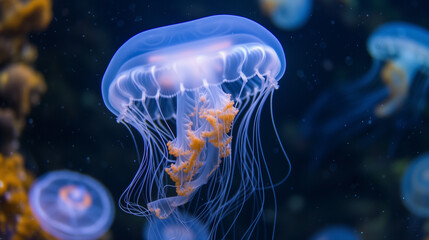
<point x="287" y="14"/>
<point x="401" y="59"/>
<point x="71" y="205"/>
<point x="178" y="226"/>
<point x="415" y="186"/>
<point x="184" y="88"/>
<point x="405" y="50"/>
<point x="336" y="232"/>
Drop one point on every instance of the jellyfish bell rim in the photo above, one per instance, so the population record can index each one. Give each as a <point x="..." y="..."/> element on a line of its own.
<point x="236" y="23"/>
<point x="336" y="230"/>
<point x="401" y="36"/>
<point x="180" y="218"/>
<point x="63" y="230"/>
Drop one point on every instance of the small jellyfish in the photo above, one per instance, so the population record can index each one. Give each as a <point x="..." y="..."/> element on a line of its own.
<point x="178" y="226"/>
<point x="415" y="186"/>
<point x="71" y="206"/>
<point x="287" y="14"/>
<point x="401" y="60"/>
<point x="404" y="48"/>
<point x="185" y="87"/>
<point x="336" y="232"/>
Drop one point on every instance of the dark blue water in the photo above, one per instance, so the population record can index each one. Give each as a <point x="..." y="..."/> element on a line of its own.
<point x="354" y="183"/>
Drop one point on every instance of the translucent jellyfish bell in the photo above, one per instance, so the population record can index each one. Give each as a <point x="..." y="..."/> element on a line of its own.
<point x="178" y="226"/>
<point x="218" y="50"/>
<point x="394" y="90"/>
<point x="415" y="186"/>
<point x="183" y="87"/>
<point x="287" y="14"/>
<point x="336" y="232"/>
<point x="71" y="206"/>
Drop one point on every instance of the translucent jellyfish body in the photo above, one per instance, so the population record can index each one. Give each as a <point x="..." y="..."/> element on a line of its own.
<point x="415" y="186"/>
<point x="71" y="205"/>
<point x="336" y="232"/>
<point x="184" y="87"/>
<point x="404" y="48"/>
<point x="178" y="226"/>
<point x="401" y="60"/>
<point x="287" y="14"/>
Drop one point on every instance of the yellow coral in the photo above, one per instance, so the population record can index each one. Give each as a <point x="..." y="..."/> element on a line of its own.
<point x="24" y="16"/>
<point x="21" y="87"/>
<point x="16" y="220"/>
<point x="16" y="48"/>
<point x="17" y="19"/>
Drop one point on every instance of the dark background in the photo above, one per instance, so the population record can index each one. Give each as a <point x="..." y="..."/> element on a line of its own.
<point x="356" y="184"/>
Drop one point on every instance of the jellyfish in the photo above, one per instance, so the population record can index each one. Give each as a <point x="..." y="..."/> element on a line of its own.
<point x="178" y="226"/>
<point x="287" y="14"/>
<point x="392" y="93"/>
<point x="415" y="186"/>
<point x="70" y="205"/>
<point x="195" y="92"/>
<point x="335" y="232"/>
